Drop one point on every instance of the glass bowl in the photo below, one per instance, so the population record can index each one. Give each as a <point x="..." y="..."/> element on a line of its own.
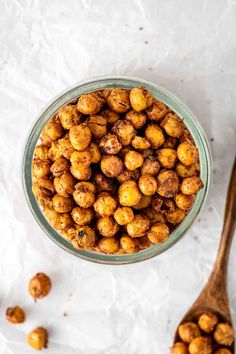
<point x="98" y="84"/>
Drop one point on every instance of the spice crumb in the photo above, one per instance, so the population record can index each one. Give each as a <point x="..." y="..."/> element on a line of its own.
<point x="140" y="28"/>
<point x="212" y="139"/>
<point x="65" y="314"/>
<point x="146" y="42"/>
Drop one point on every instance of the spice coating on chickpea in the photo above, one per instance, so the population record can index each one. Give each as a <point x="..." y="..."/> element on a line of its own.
<point x="133" y="160"/>
<point x="136" y="119"/>
<point x="147" y="184"/>
<point x="55" y="151"/>
<point x="124" y="131"/>
<point x="84" y="194"/>
<point x="127" y="175"/>
<point x="41" y="152"/>
<point x="81" y="172"/>
<point x="80" y="137"/>
<point x="129" y="194"/>
<point x="40" y="168"/>
<point x="15" y="314"/>
<point x="144" y="202"/>
<point x="69" y="116"/>
<point x="167" y="157"/>
<point x="183" y="201"/>
<point x="200" y="345"/>
<point x="176" y="216"/>
<point x="38" y="338"/>
<point x="138" y="226"/>
<point x="82" y="216"/>
<point x="105" y="205"/>
<point x="187" y="153"/>
<point x="188" y="331"/>
<point x="90" y="103"/>
<point x="111" y="116"/>
<point x="150" y="166"/>
<point x="81" y="157"/>
<point x="154" y="135"/>
<point x="109" y="245"/>
<point x="60" y="166"/>
<point x="128" y="244"/>
<point x="62" y="204"/>
<point x="111" y="166"/>
<point x="64" y="184"/>
<point x="172" y="125"/>
<point x="39" y="286"/>
<point x="107" y="226"/>
<point x="158" y="233"/>
<point x="185" y="171"/>
<point x="140" y="98"/>
<point x="140" y="143"/>
<point x="110" y="144"/>
<point x="157" y="111"/>
<point x="207" y="322"/>
<point x="95" y="152"/>
<point x="118" y="100"/>
<point x="191" y="185"/>
<point x="53" y="129"/>
<point x="179" y="348"/>
<point x="123" y="215"/>
<point x="97" y="125"/>
<point x="224" y="334"/>
<point x="167" y="183"/>
<point x="103" y="183"/>
<point x="223" y="351"/>
<point x="84" y="237"/>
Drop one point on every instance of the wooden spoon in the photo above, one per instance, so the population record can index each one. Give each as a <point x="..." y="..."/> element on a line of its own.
<point x="213" y="297"/>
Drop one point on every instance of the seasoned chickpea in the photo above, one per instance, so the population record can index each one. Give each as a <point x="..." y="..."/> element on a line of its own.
<point x="191" y="185"/>
<point x="207" y="322"/>
<point x="188" y="331"/>
<point x="64" y="184"/>
<point x="129" y="244"/>
<point x="172" y="125"/>
<point x="53" y="129"/>
<point x="200" y="345"/>
<point x="107" y="226"/>
<point x="137" y="119"/>
<point x="110" y="144"/>
<point x="124" y="131"/>
<point x="38" y="338"/>
<point x="84" y="194"/>
<point x="144" y="242"/>
<point x="154" y="135"/>
<point x="41" y="152"/>
<point x="140" y="98"/>
<point x="82" y="216"/>
<point x="39" y="286"/>
<point x="185" y="171"/>
<point x="90" y="103"/>
<point x="81" y="172"/>
<point x="157" y="202"/>
<point x="40" y="168"/>
<point x="154" y="216"/>
<point x="54" y="151"/>
<point x="147" y="153"/>
<point x="111" y="116"/>
<point x="69" y="116"/>
<point x="138" y="226"/>
<point x="157" y="111"/>
<point x="118" y="100"/>
<point x="61" y="204"/>
<point x="123" y="215"/>
<point x="60" y="166"/>
<point x="140" y="143"/>
<point x="186" y="136"/>
<point x="85" y="237"/>
<point x="42" y="194"/>
<point x="158" y="233"/>
<point x="124" y="151"/>
<point x="144" y="202"/>
<point x="80" y="137"/>
<point x="222" y="351"/>
<point x="167" y="183"/>
<point x="15" y="314"/>
<point x="103" y="183"/>
<point x="133" y="160"/>
<point x="224" y="334"/>
<point x="97" y="125"/>
<point x="105" y="205"/>
<point x="129" y="194"/>
<point x="187" y="153"/>
<point x="167" y="157"/>
<point x="65" y="146"/>
<point x="179" y="348"/>
<point x="45" y="139"/>
<point x="60" y="221"/>
<point x="170" y="142"/>
<point x="150" y="166"/>
<point x="176" y="216"/>
<point x="147" y="184"/>
<point x="109" y="245"/>
<point x="111" y="165"/>
<point x="183" y="201"/>
<point x="127" y="175"/>
<point x="81" y="157"/>
<point x="95" y="152"/>
<point x="168" y="206"/>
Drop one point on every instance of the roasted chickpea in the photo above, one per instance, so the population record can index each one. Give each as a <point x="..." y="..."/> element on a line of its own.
<point x="168" y="206"/>
<point x="154" y="216"/>
<point x="45" y="139"/>
<point x="69" y="116"/>
<point x="54" y="151"/>
<point x="183" y="201"/>
<point x="167" y="157"/>
<point x="41" y="152"/>
<point x="111" y="165"/>
<point x="136" y="119"/>
<point x="84" y="194"/>
<point x="144" y="242"/>
<point x="150" y="166"/>
<point x="107" y="226"/>
<point x="85" y="237"/>
<point x="64" y="184"/>
<point x="224" y="334"/>
<point x="167" y="183"/>
<point x="140" y="98"/>
<point x="108" y="245"/>
<point x="140" y="143"/>
<point x="129" y="244"/>
<point x="185" y="171"/>
<point x="118" y="100"/>
<point x="200" y="345"/>
<point x="144" y="202"/>
<point x="147" y="184"/>
<point x="39" y="286"/>
<point x="186" y="136"/>
<point x="138" y="226"/>
<point x="188" y="331"/>
<point x="179" y="348"/>
<point x="170" y="142"/>
<point x="207" y="322"/>
<point x="223" y="351"/>
<point x="127" y="175"/>
<point x="103" y="183"/>
<point x="154" y="135"/>
<point x="129" y="194"/>
<point x="65" y="147"/>
<point x="81" y="172"/>
<point x="123" y="215"/>
<point x="191" y="185"/>
<point x="60" y="166"/>
<point x="111" y="116"/>
<point x="43" y="187"/>
<point x="133" y="160"/>
<point x="105" y="205"/>
<point x="172" y="125"/>
<point x="97" y="125"/>
<point x="95" y="152"/>
<point x="61" y="204"/>
<point x="15" y="314"/>
<point x="60" y="221"/>
<point x="40" y="168"/>
<point x="110" y="144"/>
<point x="158" y="233"/>
<point x="53" y="129"/>
<point x="187" y="153"/>
<point x="176" y="216"/>
<point x="80" y="136"/>
<point x="82" y="216"/>
<point x="38" y="338"/>
<point x="147" y="153"/>
<point x="157" y="111"/>
<point x="81" y="157"/>
<point x="124" y="131"/>
<point x="157" y="202"/>
<point x="90" y="103"/>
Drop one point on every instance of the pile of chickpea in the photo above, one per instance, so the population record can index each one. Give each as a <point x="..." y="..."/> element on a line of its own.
<point x="207" y="336"/>
<point x="116" y="171"/>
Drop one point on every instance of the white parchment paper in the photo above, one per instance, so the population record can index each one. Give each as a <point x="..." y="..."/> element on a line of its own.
<point x="186" y="46"/>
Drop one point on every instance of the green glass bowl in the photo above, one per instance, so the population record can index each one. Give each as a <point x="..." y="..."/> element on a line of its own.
<point x="98" y="84"/>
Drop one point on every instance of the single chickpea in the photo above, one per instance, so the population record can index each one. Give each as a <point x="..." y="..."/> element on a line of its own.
<point x="138" y="226"/>
<point x="144" y="242"/>
<point x="103" y="183"/>
<point x="147" y="184"/>
<point x="187" y="153"/>
<point x="185" y="171"/>
<point x="53" y="129"/>
<point x="158" y="233"/>
<point x="69" y="116"/>
<point x="172" y="125"/>
<point x="129" y="194"/>
<point x="154" y="135"/>
<point x="15" y="314"/>
<point x="111" y="116"/>
<point x="110" y="144"/>
<point x="81" y="172"/>
<point x="40" y="168"/>
<point x="167" y="183"/>
<point x="43" y="187"/>
<point x="97" y="125"/>
<point x="129" y="244"/>
<point x="144" y="202"/>
<point x="45" y="139"/>
<point x="188" y="331"/>
<point x="111" y="165"/>
<point x="157" y="111"/>
<point x="54" y="151"/>
<point x="207" y="322"/>
<point x="167" y="157"/>
<point x="80" y="136"/>
<point x="127" y="175"/>
<point x="170" y="142"/>
<point x="41" y="152"/>
<point x="123" y="215"/>
<point x="90" y="103"/>
<point x="148" y="153"/>
<point x="60" y="166"/>
<point x="84" y="194"/>
<point x="85" y="237"/>
<point x="136" y="119"/>
<point x="154" y="216"/>
<point x="82" y="216"/>
<point x="140" y="98"/>
<point x="140" y="143"/>
<point x="108" y="245"/>
<point x="38" y="338"/>
<point x="186" y="136"/>
<point x="223" y="351"/>
<point x="118" y="100"/>
<point x="200" y="345"/>
<point x="81" y="157"/>
<point x="224" y="334"/>
<point x="124" y="150"/>
<point x="191" y="185"/>
<point x="65" y="147"/>
<point x="168" y="206"/>
<point x="124" y="131"/>
<point x="39" y="286"/>
<point x="105" y="205"/>
<point x="133" y="160"/>
<point x="43" y="195"/>
<point x="183" y="201"/>
<point x="176" y="216"/>
<point x="107" y="226"/>
<point x="150" y="166"/>
<point x="64" y="184"/>
<point x="156" y="203"/>
<point x="179" y="348"/>
<point x="60" y="221"/>
<point x="61" y="204"/>
<point x="95" y="152"/>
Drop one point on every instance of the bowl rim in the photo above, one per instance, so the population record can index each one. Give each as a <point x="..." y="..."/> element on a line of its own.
<point x="164" y="95"/>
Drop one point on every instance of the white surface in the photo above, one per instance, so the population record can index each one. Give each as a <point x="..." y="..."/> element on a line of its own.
<point x="46" y="46"/>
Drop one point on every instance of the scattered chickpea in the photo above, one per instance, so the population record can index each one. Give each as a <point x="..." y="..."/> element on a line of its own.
<point x="15" y="315"/>
<point x="38" y="338"/>
<point x="39" y="286"/>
